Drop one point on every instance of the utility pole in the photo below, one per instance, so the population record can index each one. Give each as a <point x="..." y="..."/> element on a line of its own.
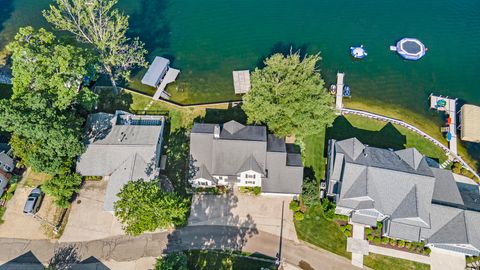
<point x="279" y="253"/>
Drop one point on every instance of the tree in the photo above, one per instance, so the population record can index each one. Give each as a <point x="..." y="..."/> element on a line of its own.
<point x="98" y="23"/>
<point x="288" y="95"/>
<point x="172" y="261"/>
<point x="51" y="71"/>
<point x="143" y="206"/>
<point x="62" y="188"/>
<point x="310" y="192"/>
<point x="47" y="92"/>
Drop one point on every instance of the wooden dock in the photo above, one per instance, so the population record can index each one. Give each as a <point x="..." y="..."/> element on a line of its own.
<point x="169" y="78"/>
<point x="339" y="95"/>
<point x="450" y="108"/>
<point x="241" y="81"/>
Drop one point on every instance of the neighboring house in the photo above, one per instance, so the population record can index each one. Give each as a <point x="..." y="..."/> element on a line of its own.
<point x="7" y="164"/>
<point x="236" y="155"/>
<point x="407" y="192"/>
<point x="121" y="147"/>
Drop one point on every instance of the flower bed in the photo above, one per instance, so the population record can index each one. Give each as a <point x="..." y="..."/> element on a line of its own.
<point x="374" y="237"/>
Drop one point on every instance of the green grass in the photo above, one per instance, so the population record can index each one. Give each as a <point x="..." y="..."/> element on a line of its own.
<point x="315" y="229"/>
<point x="376" y="261"/>
<point x="384" y="135"/>
<point x="223" y="260"/>
<point x="313" y="154"/>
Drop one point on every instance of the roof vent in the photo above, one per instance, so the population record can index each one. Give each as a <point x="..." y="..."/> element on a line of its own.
<point x="364" y="153"/>
<point x="216" y="131"/>
<point x="123" y="137"/>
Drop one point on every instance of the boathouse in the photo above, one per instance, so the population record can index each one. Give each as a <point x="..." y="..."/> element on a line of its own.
<point x="156" y="71"/>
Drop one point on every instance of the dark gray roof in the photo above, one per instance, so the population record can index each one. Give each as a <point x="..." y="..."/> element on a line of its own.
<point x="446" y="190"/>
<point x="240" y="148"/>
<point x="404" y="231"/>
<point x="156" y="71"/>
<point x="275" y="144"/>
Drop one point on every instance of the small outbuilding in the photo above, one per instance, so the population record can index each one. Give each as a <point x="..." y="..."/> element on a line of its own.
<point x="156" y="71"/>
<point x="470" y="123"/>
<point x="241" y="81"/>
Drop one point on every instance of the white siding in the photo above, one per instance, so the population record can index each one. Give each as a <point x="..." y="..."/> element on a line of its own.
<point x="250" y="179"/>
<point x="200" y="182"/>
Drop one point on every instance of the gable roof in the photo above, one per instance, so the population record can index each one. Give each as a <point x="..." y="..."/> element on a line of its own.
<point x="251" y="164"/>
<point x="411" y="156"/>
<point x="251" y="148"/>
<point x="155" y="71"/>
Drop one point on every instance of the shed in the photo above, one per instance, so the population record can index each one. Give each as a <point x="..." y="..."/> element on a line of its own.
<point x="241" y="81"/>
<point x="470" y="123"/>
<point x="156" y="71"/>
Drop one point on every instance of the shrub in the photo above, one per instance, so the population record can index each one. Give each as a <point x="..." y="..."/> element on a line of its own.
<point x="329" y="214"/>
<point x="368" y="231"/>
<point x="343" y="228"/>
<point x="257" y="191"/>
<point x="379" y="225"/>
<point x="172" y="261"/>
<point x="294" y="206"/>
<point x="299" y="216"/>
<point x="377" y="240"/>
<point x="401" y="243"/>
<point x="348" y="233"/>
<point x="456" y="167"/>
<point x="427" y="251"/>
<point x="2" y="211"/>
<point x="370" y="237"/>
<point x="408" y="245"/>
<point x="377" y="231"/>
<point x="385" y="240"/>
<point x="393" y="242"/>
<point x="419" y="249"/>
<point x="349" y="227"/>
<point x="469" y="259"/>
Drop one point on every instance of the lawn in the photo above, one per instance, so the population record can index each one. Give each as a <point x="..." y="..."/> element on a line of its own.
<point x="384" y="135"/>
<point x="225" y="260"/>
<point x="326" y="234"/>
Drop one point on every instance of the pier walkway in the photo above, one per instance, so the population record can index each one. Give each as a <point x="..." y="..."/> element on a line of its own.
<point x="169" y="77"/>
<point x="449" y="107"/>
<point x="339" y="94"/>
<point x="451" y="155"/>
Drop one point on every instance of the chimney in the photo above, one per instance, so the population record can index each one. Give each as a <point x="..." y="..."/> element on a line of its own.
<point x="216" y="132"/>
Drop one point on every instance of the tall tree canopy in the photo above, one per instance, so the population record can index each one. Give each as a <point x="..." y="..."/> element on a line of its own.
<point x="98" y="23"/>
<point x="144" y="206"/>
<point x="47" y="91"/>
<point x="62" y="188"/>
<point x="289" y="95"/>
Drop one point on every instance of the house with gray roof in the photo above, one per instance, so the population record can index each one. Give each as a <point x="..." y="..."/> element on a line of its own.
<point x="121" y="147"/>
<point x="232" y="154"/>
<point x="413" y="198"/>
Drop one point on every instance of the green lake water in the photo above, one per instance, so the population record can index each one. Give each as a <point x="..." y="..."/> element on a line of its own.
<point x="208" y="39"/>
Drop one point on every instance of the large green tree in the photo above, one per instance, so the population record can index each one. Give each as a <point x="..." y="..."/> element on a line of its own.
<point x="172" y="261"/>
<point x="144" y="206"/>
<point x="47" y="93"/>
<point x="98" y="23"/>
<point x="62" y="187"/>
<point x="289" y="95"/>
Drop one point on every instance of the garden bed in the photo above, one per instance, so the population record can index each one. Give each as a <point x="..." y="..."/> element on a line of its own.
<point x="374" y="237"/>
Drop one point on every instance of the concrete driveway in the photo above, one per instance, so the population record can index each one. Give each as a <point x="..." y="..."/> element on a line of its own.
<point x="87" y="220"/>
<point x="19" y="225"/>
<point x="262" y="213"/>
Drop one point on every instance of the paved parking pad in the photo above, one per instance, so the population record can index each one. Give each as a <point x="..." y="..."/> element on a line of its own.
<point x="261" y="212"/>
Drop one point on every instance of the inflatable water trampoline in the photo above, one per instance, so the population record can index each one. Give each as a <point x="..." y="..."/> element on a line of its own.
<point x="410" y="48"/>
<point x="358" y="52"/>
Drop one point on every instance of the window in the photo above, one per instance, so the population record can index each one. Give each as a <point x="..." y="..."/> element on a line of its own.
<point x="250" y="176"/>
<point x="7" y="168"/>
<point x="247" y="182"/>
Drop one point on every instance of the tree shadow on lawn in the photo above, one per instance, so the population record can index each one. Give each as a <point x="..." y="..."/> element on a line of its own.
<point x="220" y="116"/>
<point x="177" y="150"/>
<point x="109" y="102"/>
<point x="387" y="137"/>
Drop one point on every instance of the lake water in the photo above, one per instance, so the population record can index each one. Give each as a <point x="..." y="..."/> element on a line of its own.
<point x="208" y="39"/>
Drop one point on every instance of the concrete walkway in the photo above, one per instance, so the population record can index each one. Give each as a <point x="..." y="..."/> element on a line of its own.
<point x="126" y="252"/>
<point x="357" y="245"/>
<point x="399" y="254"/>
<point x="444" y="260"/>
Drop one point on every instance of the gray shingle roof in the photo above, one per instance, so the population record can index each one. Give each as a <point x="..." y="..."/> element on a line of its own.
<point x="122" y="150"/>
<point x="420" y="202"/>
<point x="364" y="219"/>
<point x="6" y="160"/>
<point x="240" y="148"/>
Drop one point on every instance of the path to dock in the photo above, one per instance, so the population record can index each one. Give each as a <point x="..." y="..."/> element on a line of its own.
<point x="169" y="77"/>
<point x="339" y="94"/>
<point x="450" y="154"/>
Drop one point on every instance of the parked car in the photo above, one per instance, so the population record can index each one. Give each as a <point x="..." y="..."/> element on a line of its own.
<point x="33" y="202"/>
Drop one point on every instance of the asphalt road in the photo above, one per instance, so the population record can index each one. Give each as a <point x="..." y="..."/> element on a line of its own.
<point x="25" y="254"/>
